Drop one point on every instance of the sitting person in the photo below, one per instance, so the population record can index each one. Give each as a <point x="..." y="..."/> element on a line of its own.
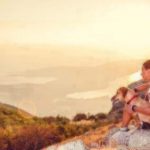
<point x="132" y="99"/>
<point x="143" y="90"/>
<point x="139" y="90"/>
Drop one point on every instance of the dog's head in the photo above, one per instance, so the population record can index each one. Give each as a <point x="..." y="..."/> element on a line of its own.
<point x="120" y="94"/>
<point x="123" y="94"/>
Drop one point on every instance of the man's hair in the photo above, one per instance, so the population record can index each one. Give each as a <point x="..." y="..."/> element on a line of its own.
<point x="146" y="64"/>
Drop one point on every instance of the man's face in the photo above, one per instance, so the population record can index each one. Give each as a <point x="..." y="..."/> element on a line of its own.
<point x="145" y="74"/>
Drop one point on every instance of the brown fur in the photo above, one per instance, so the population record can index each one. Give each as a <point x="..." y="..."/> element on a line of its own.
<point x="122" y="94"/>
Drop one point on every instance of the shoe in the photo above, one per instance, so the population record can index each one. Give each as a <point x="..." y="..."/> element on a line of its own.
<point x="124" y="129"/>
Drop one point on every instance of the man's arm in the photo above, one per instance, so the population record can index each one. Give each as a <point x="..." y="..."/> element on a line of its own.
<point x="142" y="110"/>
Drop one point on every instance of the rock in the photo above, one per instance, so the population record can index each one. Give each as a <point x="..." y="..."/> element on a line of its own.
<point x="73" y="145"/>
<point x="116" y="111"/>
<point x="122" y="147"/>
<point x="140" y="138"/>
<point x="134" y="138"/>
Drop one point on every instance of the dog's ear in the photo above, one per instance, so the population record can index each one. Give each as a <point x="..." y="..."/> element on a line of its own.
<point x="123" y="90"/>
<point x="113" y="98"/>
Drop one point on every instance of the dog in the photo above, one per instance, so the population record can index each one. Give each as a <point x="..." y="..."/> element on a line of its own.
<point x="130" y="97"/>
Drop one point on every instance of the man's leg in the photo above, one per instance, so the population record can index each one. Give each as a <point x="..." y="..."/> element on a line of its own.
<point x="126" y="117"/>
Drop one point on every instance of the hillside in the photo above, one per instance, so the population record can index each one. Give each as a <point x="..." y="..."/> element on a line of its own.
<point x="10" y="115"/>
<point x="18" y="126"/>
<point x="93" y="139"/>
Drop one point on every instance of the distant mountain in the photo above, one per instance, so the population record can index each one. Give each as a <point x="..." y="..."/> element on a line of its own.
<point x="50" y="97"/>
<point x="87" y="77"/>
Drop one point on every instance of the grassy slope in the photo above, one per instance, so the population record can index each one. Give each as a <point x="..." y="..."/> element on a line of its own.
<point x="10" y="115"/>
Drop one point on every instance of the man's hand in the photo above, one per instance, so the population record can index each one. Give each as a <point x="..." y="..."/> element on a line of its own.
<point x="143" y="86"/>
<point x="128" y="108"/>
<point x="143" y="110"/>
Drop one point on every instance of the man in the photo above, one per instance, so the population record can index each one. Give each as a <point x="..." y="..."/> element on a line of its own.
<point x="133" y="137"/>
<point x="143" y="89"/>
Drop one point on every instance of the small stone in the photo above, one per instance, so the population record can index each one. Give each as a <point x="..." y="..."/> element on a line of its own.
<point x="73" y="145"/>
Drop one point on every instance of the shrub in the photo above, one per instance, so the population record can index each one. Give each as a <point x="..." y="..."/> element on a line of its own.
<point x="49" y="119"/>
<point x="100" y="116"/>
<point x="3" y="140"/>
<point x="61" y="120"/>
<point x="35" y="137"/>
<point x="79" y="117"/>
<point x="91" y="117"/>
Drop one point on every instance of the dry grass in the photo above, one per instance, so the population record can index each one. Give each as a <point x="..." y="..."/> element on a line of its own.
<point x="82" y="122"/>
<point x="93" y="137"/>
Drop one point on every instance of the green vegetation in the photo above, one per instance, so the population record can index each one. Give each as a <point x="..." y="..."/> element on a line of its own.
<point x="21" y="130"/>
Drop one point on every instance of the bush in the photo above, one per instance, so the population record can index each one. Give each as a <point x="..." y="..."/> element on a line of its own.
<point x="4" y="140"/>
<point x="100" y="116"/>
<point x="91" y="117"/>
<point x="49" y="119"/>
<point x="61" y="120"/>
<point x="79" y="117"/>
<point x="35" y="137"/>
<point x="75" y="130"/>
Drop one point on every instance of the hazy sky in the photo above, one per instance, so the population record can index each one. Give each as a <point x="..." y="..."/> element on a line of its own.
<point x="103" y="27"/>
<point x="42" y="33"/>
<point x="112" y="24"/>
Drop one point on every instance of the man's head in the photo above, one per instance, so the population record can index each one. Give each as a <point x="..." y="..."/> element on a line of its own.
<point x="146" y="70"/>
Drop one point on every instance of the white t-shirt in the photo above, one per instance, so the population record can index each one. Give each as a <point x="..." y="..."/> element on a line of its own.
<point x="148" y="95"/>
